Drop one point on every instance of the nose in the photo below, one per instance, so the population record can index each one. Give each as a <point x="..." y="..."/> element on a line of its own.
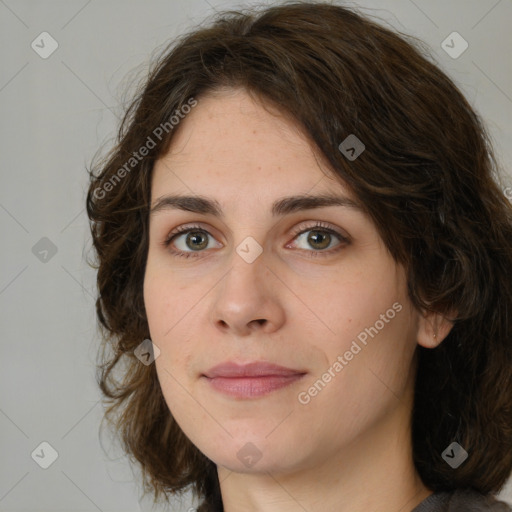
<point x="248" y="299"/>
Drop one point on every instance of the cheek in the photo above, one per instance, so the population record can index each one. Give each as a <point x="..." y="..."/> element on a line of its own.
<point x="165" y="301"/>
<point x="155" y="299"/>
<point x="351" y="304"/>
<point x="168" y="333"/>
<point x="168" y="306"/>
<point x="370" y="322"/>
<point x="361" y="381"/>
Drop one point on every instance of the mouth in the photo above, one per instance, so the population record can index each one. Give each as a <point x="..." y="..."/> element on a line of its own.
<point x="250" y="380"/>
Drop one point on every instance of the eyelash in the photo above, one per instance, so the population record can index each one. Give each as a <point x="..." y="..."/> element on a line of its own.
<point x="299" y="231"/>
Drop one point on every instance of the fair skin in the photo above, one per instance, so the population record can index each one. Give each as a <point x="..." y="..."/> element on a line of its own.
<point x="348" y="448"/>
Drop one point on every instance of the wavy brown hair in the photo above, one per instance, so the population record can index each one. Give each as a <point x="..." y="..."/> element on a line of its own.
<point x="427" y="178"/>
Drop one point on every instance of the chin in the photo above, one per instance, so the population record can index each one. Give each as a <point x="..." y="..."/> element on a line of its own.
<point x="254" y="454"/>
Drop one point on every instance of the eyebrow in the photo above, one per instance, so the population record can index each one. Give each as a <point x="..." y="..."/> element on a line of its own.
<point x="283" y="206"/>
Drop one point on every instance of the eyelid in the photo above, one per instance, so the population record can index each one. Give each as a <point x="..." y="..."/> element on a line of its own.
<point x="184" y="229"/>
<point x="303" y="227"/>
<point x="321" y="226"/>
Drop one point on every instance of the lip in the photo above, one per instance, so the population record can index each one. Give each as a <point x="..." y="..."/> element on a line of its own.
<point x="250" y="380"/>
<point x="254" y="369"/>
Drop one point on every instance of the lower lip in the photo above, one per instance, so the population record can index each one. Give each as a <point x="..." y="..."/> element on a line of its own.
<point x="250" y="387"/>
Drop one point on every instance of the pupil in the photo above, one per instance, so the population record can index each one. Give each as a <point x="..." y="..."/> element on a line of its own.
<point x="315" y="235"/>
<point x="194" y="236"/>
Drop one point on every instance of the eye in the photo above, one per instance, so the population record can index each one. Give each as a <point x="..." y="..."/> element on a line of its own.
<point x="320" y="237"/>
<point x="190" y="241"/>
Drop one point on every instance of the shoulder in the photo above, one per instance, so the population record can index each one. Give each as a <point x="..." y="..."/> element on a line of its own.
<point x="462" y="500"/>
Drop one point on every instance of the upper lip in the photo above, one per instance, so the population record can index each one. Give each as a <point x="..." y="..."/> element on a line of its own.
<point x="253" y="369"/>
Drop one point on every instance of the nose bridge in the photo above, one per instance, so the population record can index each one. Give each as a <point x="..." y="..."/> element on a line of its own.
<point x="245" y="297"/>
<point x="244" y="284"/>
<point x="248" y="260"/>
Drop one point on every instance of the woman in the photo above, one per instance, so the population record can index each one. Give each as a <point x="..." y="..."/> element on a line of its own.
<point x="303" y="259"/>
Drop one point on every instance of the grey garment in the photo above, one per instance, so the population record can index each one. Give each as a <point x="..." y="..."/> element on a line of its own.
<point x="461" y="500"/>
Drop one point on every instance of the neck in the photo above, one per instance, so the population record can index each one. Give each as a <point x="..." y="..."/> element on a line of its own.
<point x="374" y="473"/>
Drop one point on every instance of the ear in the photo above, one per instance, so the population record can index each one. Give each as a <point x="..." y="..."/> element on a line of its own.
<point x="433" y="328"/>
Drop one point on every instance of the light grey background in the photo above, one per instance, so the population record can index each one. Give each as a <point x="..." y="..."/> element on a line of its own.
<point x="55" y="113"/>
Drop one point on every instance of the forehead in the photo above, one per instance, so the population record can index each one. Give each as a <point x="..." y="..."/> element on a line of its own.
<point x="231" y="143"/>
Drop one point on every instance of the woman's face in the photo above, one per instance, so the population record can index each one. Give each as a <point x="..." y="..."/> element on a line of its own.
<point x="271" y="279"/>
